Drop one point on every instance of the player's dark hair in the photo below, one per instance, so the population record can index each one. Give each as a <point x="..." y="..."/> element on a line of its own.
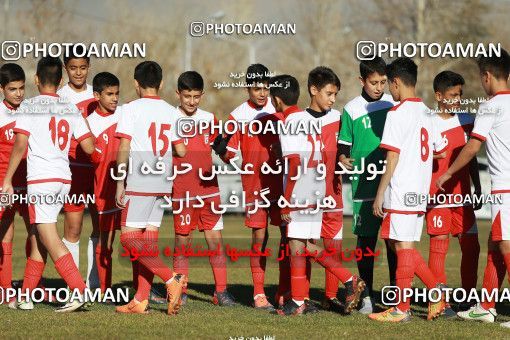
<point x="403" y="68"/>
<point x="368" y="67"/>
<point x="76" y="52"/>
<point x="322" y="76"/>
<point x="11" y="72"/>
<point x="103" y="80"/>
<point x="286" y="88"/>
<point x="446" y="79"/>
<point x="499" y="67"/>
<point x="257" y="73"/>
<point x="148" y="74"/>
<point x="49" y="71"/>
<point x="190" y="80"/>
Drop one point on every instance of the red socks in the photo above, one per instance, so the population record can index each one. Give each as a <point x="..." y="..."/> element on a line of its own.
<point x="334" y="266"/>
<point x="331" y="280"/>
<point x="147" y="241"/>
<point x="219" y="268"/>
<point x="298" y="279"/>
<point x="437" y="256"/>
<point x="104" y="267"/>
<point x="470" y="249"/>
<point x="6" y="265"/>
<point x="284" y="273"/>
<point x="258" y="270"/>
<point x="181" y="265"/>
<point x="33" y="273"/>
<point x="423" y="271"/>
<point x="493" y="276"/>
<point x="67" y="269"/>
<point x="144" y="282"/>
<point x="404" y="275"/>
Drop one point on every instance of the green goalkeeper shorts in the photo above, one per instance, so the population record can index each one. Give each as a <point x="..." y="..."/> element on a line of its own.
<point x="364" y="222"/>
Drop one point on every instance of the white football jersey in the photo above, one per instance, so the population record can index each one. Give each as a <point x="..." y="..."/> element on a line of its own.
<point x="410" y="131"/>
<point x="492" y="124"/>
<point x="308" y="146"/>
<point x="67" y="93"/>
<point x="150" y="124"/>
<point x="50" y="123"/>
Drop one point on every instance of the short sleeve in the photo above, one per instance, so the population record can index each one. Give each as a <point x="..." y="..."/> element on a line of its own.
<point x="439" y="142"/>
<point x="80" y="128"/>
<point x="125" y="126"/>
<point x="290" y="144"/>
<point x="233" y="143"/>
<point x="392" y="138"/>
<point x="174" y="136"/>
<point x="345" y="135"/>
<point x="22" y="124"/>
<point x="483" y="123"/>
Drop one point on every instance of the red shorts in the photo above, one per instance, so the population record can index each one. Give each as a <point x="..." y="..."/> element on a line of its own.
<point x="82" y="184"/>
<point x="258" y="219"/>
<point x="451" y="220"/>
<point x="204" y="218"/>
<point x="109" y="221"/>
<point x="332" y="224"/>
<point x="8" y="213"/>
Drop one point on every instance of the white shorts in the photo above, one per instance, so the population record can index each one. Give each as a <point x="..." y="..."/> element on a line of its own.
<point x="50" y="200"/>
<point x="402" y="227"/>
<point x="142" y="211"/>
<point x="305" y="226"/>
<point x="500" y="215"/>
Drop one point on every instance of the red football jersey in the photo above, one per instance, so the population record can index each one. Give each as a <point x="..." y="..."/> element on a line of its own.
<point x="198" y="155"/>
<point x="7" y="137"/>
<point x="455" y="130"/>
<point x="103" y="126"/>
<point x="255" y="150"/>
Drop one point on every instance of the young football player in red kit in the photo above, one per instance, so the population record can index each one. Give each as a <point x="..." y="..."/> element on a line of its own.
<point x="446" y="216"/>
<point x="190" y="187"/>
<point x="103" y="123"/>
<point x="12" y="85"/>
<point x="255" y="149"/>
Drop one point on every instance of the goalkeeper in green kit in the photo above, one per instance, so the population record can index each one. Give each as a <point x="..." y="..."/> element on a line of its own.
<point x="360" y="135"/>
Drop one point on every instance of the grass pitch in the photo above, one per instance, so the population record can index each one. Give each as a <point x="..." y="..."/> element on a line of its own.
<point x="201" y="319"/>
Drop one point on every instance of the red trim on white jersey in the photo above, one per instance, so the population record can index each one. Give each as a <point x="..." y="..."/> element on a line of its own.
<point x="49" y="94"/>
<point x="502" y="92"/>
<point x="479" y="137"/>
<point x="389" y="147"/>
<point x="394" y="108"/>
<point x="403" y="212"/>
<point x="252" y="104"/>
<point x="501" y="191"/>
<point x="18" y="130"/>
<point x="85" y="136"/>
<point x="9" y="106"/>
<point x="122" y="135"/>
<point x="152" y="97"/>
<point x="46" y="180"/>
<point x="137" y="193"/>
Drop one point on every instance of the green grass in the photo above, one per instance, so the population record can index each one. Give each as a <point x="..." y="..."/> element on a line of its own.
<point x="201" y="319"/>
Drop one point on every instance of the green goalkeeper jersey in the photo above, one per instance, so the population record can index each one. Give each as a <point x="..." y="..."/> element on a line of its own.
<point x="362" y="129"/>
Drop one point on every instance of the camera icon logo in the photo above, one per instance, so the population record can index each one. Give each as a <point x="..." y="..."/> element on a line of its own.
<point x="366" y="50"/>
<point x="186" y="127"/>
<point x="390" y="295"/>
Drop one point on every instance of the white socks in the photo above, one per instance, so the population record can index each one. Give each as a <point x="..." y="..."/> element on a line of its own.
<point x="92" y="276"/>
<point x="74" y="249"/>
